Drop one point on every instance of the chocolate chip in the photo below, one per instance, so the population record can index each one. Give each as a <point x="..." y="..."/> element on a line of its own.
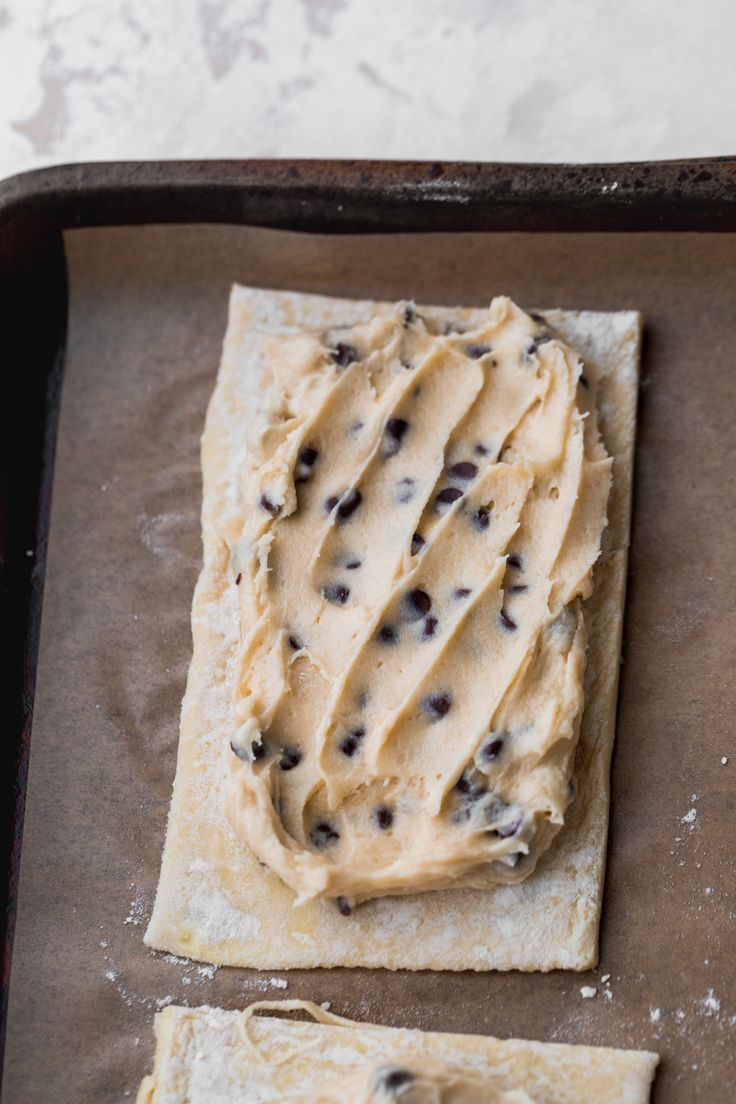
<point x="308" y="455"/>
<point x="492" y="749"/>
<point x="518" y="589"/>
<point x="295" y="643"/>
<point x="461" y="592"/>
<point x="437" y="706"/>
<point x="238" y="578"/>
<point x="415" y="604"/>
<point x="482" y="518"/>
<point x="290" y="757"/>
<point x="463" y="470"/>
<point x="337" y="593"/>
<point x="324" y="834"/>
<point x="343" y="906"/>
<point x="384" y="817"/>
<point x="352" y="565"/>
<point x="387" y="635"/>
<point x="331" y="503"/>
<point x="446" y="496"/>
<point x="506" y="622"/>
<point x="266" y="504"/>
<point x="349" y="503"/>
<point x="395" y="431"/>
<point x="251" y="754"/>
<point x="475" y="352"/>
<point x="472" y="787"/>
<point x="344" y="354"/>
<point x="429" y="628"/>
<point x="405" y="490"/>
<point x="305" y="462"/>
<point x="393" y="1079"/>
<point x="350" y="743"/>
<point x="482" y="450"/>
<point x="417" y="543"/>
<point x="508" y="830"/>
<point x="514" y="561"/>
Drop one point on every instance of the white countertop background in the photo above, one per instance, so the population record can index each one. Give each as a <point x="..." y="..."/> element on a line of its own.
<point x="547" y="80"/>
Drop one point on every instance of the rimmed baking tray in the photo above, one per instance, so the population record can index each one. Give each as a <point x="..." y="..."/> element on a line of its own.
<point x="146" y="315"/>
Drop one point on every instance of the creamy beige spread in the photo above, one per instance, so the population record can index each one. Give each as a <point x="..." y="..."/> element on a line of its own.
<point x="420" y="514"/>
<point x="430" y="1083"/>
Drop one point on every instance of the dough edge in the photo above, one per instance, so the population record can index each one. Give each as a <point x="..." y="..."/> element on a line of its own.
<point x="555" y="1072"/>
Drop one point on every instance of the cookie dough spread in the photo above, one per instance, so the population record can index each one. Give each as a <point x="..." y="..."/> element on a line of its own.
<point x="409" y="1084"/>
<point x="419" y="516"/>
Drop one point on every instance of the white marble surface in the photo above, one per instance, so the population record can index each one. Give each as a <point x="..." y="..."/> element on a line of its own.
<point x="478" y="79"/>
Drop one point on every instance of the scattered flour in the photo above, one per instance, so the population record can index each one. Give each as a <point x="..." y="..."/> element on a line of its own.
<point x="137" y="913"/>
<point x="655" y="1015"/>
<point x="587" y="992"/>
<point x="710" y="1004"/>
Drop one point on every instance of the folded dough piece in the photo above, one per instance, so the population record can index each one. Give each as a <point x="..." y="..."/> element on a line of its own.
<point x="208" y="1056"/>
<point x="215" y="901"/>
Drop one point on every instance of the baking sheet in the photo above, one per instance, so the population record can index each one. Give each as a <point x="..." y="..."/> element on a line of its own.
<point x="148" y="309"/>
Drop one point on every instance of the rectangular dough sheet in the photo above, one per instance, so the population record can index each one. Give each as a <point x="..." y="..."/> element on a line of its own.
<point x="214" y="901"/>
<point x="201" y="1058"/>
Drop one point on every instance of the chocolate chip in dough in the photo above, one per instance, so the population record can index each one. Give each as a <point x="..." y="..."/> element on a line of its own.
<point x="482" y="450"/>
<point x="344" y="354"/>
<point x="306" y="460"/>
<point x="331" y="503"/>
<point x="290" y="757"/>
<point x="295" y="643"/>
<point x="251" y="754"/>
<point x="514" y="561"/>
<point x="415" y="604"/>
<point x="460" y="593"/>
<point x="238" y="578"/>
<point x="475" y="352"/>
<point x="337" y="593"/>
<point x="352" y="564"/>
<point x="464" y="470"/>
<point x="437" y="706"/>
<point x="506" y="622"/>
<point x="343" y="906"/>
<point x="348" y="504"/>
<point x="429" y="628"/>
<point x="519" y="588"/>
<point x="350" y="743"/>
<point x="267" y="505"/>
<point x="324" y="834"/>
<point x="392" y="1080"/>
<point x="471" y="786"/>
<point x="482" y="517"/>
<point x="509" y="830"/>
<point x="384" y="817"/>
<point x="394" y="433"/>
<point x="417" y="543"/>
<point x="446" y="497"/>
<point x="492" y="749"/>
<point x="387" y="634"/>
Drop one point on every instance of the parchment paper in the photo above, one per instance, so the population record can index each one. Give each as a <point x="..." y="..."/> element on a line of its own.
<point x="148" y="312"/>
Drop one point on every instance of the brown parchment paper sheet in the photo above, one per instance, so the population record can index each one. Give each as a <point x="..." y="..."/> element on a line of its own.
<point x="148" y="311"/>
